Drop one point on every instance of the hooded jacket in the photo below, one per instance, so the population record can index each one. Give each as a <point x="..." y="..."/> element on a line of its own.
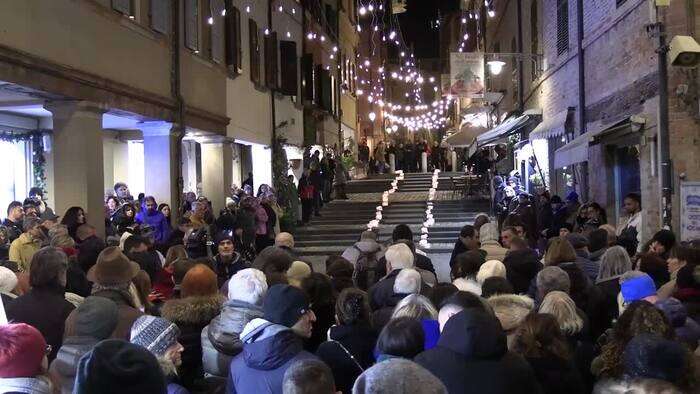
<point x="191" y="315"/>
<point x="159" y="223"/>
<point x="472" y="357"/>
<point x="221" y="338"/>
<point x="268" y="351"/>
<point x="63" y="369"/>
<point x="522" y="267"/>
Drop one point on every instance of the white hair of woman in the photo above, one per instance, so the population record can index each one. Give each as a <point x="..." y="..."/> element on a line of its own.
<point x="399" y="256"/>
<point x="248" y="285"/>
<point x="562" y="307"/>
<point x="490" y="269"/>
<point x="613" y="264"/>
<point x="408" y="281"/>
<point x="415" y="306"/>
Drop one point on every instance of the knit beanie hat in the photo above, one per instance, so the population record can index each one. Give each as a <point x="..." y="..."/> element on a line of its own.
<point x="115" y="366"/>
<point x="649" y="356"/>
<point x="285" y="305"/>
<point x="22" y="349"/>
<point x="399" y="376"/>
<point x="223" y="236"/>
<point x="8" y="280"/>
<point x="154" y="333"/>
<point x="637" y="288"/>
<point x="96" y="317"/>
<point x="200" y="280"/>
<point x="665" y="238"/>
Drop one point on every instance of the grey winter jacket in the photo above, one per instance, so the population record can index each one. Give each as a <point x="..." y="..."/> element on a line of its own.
<point x="64" y="367"/>
<point x="221" y="338"/>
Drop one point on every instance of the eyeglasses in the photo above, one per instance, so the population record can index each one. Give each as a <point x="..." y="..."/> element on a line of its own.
<point x="48" y="349"/>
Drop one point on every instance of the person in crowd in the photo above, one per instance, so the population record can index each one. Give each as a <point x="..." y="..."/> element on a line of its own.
<point x="688" y="290"/>
<point x="400" y="376"/>
<point x="596" y="216"/>
<point x="340" y="180"/>
<point x="112" y="277"/>
<point x="541" y="342"/>
<point x="456" y="303"/>
<point x="89" y="246"/>
<point x="23" y="362"/>
<point x="545" y="214"/>
<point x="640" y="317"/>
<point x="118" y="366"/>
<point x="319" y="289"/>
<point x="407" y="282"/>
<point x="135" y="247"/>
<point x="479" y="220"/>
<point x="490" y="269"/>
<point x="309" y="376"/>
<point x="464" y="272"/>
<point x="641" y="361"/>
<point x="629" y="230"/>
<point x="400" y="338"/>
<point x="4" y="243"/>
<point x="297" y="272"/>
<point x="582" y="260"/>
<point x="285" y="241"/>
<point x="661" y="243"/>
<point x="496" y="286"/>
<point x="419" y="307"/>
<point x="273" y="343"/>
<point x="167" y="212"/>
<point x="550" y="279"/>
<point x="306" y="195"/>
<point x="597" y="244"/>
<point x="488" y="235"/>
<point x="45" y="306"/>
<point x="124" y="218"/>
<point x="472" y="357"/>
<point x="522" y="264"/>
<point x="340" y="271"/>
<point x="468" y="240"/>
<point x="680" y="256"/>
<point x="200" y="302"/>
<point x="177" y="235"/>
<point x="614" y="263"/>
<point x="95" y="320"/>
<point x="349" y="349"/>
<point x="317" y="179"/>
<point x="221" y="338"/>
<point x="160" y="337"/>
<point x="13" y="222"/>
<point x="398" y="256"/>
<point x="403" y="233"/>
<point x="227" y="261"/>
<point x="686" y="329"/>
<point x="560" y="251"/>
<point x="155" y="219"/>
<point x="8" y="285"/>
<point x="653" y="265"/>
<point x="507" y="234"/>
<point x="73" y="218"/>
<point x="562" y="307"/>
<point x="245" y="227"/>
<point x="29" y="242"/>
<point x="366" y="252"/>
<point x="511" y="310"/>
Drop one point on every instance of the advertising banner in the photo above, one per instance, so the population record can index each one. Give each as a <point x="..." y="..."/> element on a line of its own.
<point x="467" y="74"/>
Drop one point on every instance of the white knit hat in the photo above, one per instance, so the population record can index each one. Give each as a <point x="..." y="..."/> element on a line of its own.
<point x="8" y="280"/>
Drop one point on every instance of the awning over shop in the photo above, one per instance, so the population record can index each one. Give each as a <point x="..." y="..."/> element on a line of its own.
<point x="576" y="151"/>
<point x="554" y="126"/>
<point x="465" y="136"/>
<point x="508" y="127"/>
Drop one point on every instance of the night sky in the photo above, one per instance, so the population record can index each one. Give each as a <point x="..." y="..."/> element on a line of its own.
<point x="417" y="24"/>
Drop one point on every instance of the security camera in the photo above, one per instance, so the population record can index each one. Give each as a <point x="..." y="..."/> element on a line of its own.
<point x="684" y="52"/>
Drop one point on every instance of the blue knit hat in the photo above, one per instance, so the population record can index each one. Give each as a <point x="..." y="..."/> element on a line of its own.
<point x="637" y="288"/>
<point x="154" y="333"/>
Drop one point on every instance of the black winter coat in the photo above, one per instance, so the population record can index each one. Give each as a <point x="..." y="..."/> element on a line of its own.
<point x="45" y="309"/>
<point x="472" y="357"/>
<point x="557" y="376"/>
<point x="358" y="340"/>
<point x="191" y="315"/>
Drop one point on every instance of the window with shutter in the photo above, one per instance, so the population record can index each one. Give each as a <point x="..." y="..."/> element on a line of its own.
<point x="160" y="16"/>
<point x="123" y="6"/>
<point x="234" y="54"/>
<point x="308" y="83"/>
<point x="217" y="30"/>
<point x="325" y="90"/>
<point x="562" y="26"/>
<point x="289" y="69"/>
<point x="271" y="61"/>
<point x="192" y="24"/>
<point x="254" y="41"/>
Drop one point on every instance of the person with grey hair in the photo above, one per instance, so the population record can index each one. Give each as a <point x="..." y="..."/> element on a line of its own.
<point x="415" y="306"/>
<point x="365" y="255"/>
<point x="550" y="279"/>
<point x="613" y="264"/>
<point x="221" y="338"/>
<point x="308" y="377"/>
<point x="44" y="306"/>
<point x="398" y="257"/>
<point x="407" y="282"/>
<point x="29" y="242"/>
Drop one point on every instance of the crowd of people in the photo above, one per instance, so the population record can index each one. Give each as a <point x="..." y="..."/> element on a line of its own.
<point x="408" y="156"/>
<point x="226" y="305"/>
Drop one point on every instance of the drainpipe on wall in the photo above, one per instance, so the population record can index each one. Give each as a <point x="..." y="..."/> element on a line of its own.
<point x="665" y="171"/>
<point x="583" y="176"/>
<point x="178" y="128"/>
<point x="272" y="90"/>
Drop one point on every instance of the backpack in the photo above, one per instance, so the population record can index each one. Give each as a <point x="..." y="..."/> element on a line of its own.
<point x="307" y="192"/>
<point x="365" y="274"/>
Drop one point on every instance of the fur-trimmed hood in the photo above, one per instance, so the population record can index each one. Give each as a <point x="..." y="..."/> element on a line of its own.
<point x="192" y="310"/>
<point x="511" y="309"/>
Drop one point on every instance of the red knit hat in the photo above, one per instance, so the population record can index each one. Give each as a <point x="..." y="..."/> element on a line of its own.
<point x="22" y="349"/>
<point x="200" y="280"/>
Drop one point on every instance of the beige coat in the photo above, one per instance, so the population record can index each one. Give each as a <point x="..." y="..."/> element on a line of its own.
<point x="22" y="249"/>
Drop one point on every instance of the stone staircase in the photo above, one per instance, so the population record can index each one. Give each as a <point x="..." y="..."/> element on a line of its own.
<point x="342" y="221"/>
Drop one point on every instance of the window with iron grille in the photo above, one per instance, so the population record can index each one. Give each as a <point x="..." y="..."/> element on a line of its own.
<point x="254" y="41"/>
<point x="234" y="53"/>
<point x="562" y="26"/>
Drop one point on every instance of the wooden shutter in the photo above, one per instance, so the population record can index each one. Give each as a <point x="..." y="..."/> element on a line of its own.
<point x="192" y="24"/>
<point x="254" y="41"/>
<point x="324" y="88"/>
<point x="123" y="6"/>
<point x="271" y="61"/>
<point x="217" y="30"/>
<point x="289" y="68"/>
<point x="160" y="16"/>
<point x="562" y="26"/>
<point x="234" y="55"/>
<point x="307" y="67"/>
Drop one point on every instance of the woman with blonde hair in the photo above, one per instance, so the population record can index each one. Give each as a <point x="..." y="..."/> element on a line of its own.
<point x="559" y="251"/>
<point x="418" y="307"/>
<point x="562" y="307"/>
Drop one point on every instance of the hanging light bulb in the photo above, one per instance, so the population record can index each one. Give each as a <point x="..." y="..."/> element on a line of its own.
<point x="363" y="10"/>
<point x="370" y="8"/>
<point x="280" y="9"/>
<point x="210" y="20"/>
<point x="492" y="13"/>
<point x="495" y="66"/>
<point x="464" y="20"/>
<point x="223" y="12"/>
<point x="372" y="116"/>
